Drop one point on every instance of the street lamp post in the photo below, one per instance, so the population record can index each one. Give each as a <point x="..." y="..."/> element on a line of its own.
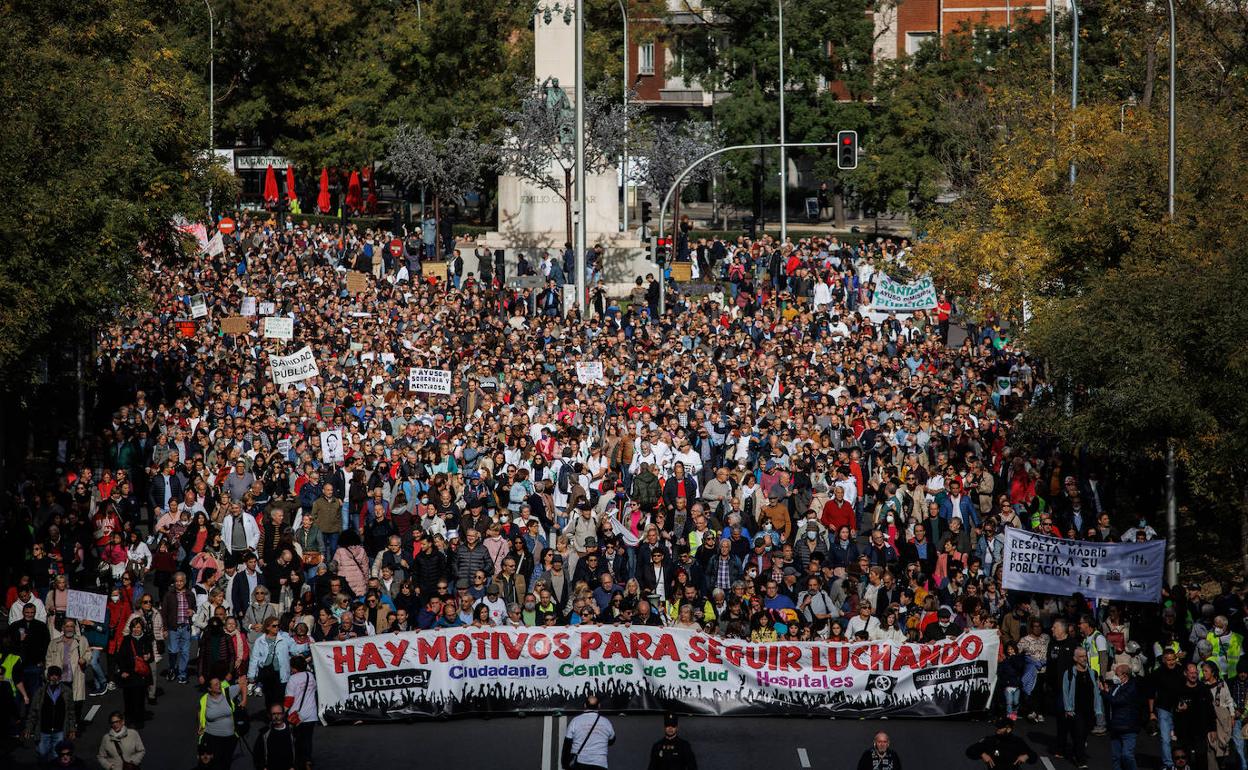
<point x="1074" y="76"/>
<point x="624" y="79"/>
<point x="1172" y="518"/>
<point x="580" y="155"/>
<point x="211" y="98"/>
<point x="667" y="198"/>
<point x="784" y="160"/>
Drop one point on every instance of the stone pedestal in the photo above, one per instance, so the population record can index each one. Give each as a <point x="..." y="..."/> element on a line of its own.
<point x="531" y="216"/>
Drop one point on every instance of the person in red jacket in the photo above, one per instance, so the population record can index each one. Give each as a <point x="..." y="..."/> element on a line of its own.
<point x="837" y="512"/>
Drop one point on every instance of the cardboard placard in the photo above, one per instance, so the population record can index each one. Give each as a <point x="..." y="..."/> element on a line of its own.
<point x="235" y="324"/>
<point x="356" y="282"/>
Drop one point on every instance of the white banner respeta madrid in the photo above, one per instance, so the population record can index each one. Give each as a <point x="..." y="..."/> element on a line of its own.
<point x="1053" y="565"/>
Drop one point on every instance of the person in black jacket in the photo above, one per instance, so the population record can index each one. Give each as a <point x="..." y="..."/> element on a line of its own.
<point x="275" y="745"/>
<point x="880" y="756"/>
<point x="1123" y="701"/>
<point x="134" y="673"/>
<point x="1003" y="749"/>
<point x="671" y="752"/>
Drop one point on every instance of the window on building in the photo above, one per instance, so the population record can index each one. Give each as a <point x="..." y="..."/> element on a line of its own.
<point x="915" y="41"/>
<point x="645" y="59"/>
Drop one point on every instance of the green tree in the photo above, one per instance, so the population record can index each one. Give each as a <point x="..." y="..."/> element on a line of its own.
<point x="102" y="142"/>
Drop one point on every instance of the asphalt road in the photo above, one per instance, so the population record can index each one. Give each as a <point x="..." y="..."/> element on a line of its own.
<point x="532" y="743"/>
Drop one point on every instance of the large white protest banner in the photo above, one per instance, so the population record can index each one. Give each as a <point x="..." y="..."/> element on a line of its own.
<point x="1053" y="565"/>
<point x="295" y="368"/>
<point x="640" y="668"/>
<point x="589" y="372"/>
<point x="278" y="327"/>
<point x="429" y="380"/>
<point x="331" y="446"/>
<point x="84" y="605"/>
<point x="891" y="296"/>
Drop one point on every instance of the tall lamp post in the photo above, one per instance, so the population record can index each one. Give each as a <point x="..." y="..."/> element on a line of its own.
<point x="1074" y="75"/>
<point x="784" y="160"/>
<point x="1172" y="518"/>
<point x="580" y="154"/>
<point x="624" y="79"/>
<point x="211" y="98"/>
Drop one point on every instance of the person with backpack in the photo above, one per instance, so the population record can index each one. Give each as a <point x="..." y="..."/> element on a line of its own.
<point x="217" y="719"/>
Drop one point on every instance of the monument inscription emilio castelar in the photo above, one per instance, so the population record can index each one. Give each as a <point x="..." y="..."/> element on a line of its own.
<point x="528" y="199"/>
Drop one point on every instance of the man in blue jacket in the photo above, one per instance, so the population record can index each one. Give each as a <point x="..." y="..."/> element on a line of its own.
<point x="1123" y="702"/>
<point x="957" y="505"/>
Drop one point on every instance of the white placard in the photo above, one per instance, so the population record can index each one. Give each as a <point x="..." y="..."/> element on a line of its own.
<point x="278" y="327"/>
<point x="268" y="308"/>
<point x="331" y="446"/>
<point x="215" y="246"/>
<point x="297" y="368"/>
<point x="248" y="307"/>
<point x="84" y="605"/>
<point x="589" y="372"/>
<point x="199" y="306"/>
<point x="283" y="446"/>
<point x="429" y="380"/>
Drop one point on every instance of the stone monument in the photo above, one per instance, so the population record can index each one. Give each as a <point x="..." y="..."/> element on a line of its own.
<point x="532" y="216"/>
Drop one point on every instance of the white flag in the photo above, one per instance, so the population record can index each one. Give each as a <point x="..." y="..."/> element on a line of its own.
<point x="215" y="246"/>
<point x="774" y="395"/>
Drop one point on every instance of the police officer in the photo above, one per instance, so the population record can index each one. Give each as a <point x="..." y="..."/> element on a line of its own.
<point x="671" y="752"/>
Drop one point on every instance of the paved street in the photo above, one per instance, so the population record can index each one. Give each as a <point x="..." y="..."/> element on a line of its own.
<point x="530" y="743"/>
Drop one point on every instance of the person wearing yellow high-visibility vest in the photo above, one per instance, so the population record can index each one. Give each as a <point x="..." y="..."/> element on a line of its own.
<point x="13" y="695"/>
<point x="216" y="718"/>
<point x="1100" y="660"/>
<point x="1227" y="646"/>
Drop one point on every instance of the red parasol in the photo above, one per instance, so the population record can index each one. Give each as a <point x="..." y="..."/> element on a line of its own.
<point x="270" y="187"/>
<point x="370" y="203"/>
<point x="355" y="198"/>
<point x="322" y="199"/>
<point x="290" y="183"/>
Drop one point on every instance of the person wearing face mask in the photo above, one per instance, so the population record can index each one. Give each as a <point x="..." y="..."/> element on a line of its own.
<point x="51" y="717"/>
<point x="1123" y="702"/>
<point x="811" y="539"/>
<point x="121" y="748"/>
<point x="943" y="628"/>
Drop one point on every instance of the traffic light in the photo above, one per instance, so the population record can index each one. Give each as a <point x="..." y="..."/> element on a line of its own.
<point x="847" y="150"/>
<point x="645" y="219"/>
<point x="662" y="249"/>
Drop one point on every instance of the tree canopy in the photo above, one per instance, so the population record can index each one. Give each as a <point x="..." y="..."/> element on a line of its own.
<point x="103" y="141"/>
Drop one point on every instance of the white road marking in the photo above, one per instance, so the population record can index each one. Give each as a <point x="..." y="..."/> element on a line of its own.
<point x="546" y="725"/>
<point x="1048" y="763"/>
<point x="91" y="712"/>
<point x="803" y="757"/>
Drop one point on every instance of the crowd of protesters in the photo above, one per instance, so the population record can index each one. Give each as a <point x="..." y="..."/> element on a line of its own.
<point x="773" y="463"/>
